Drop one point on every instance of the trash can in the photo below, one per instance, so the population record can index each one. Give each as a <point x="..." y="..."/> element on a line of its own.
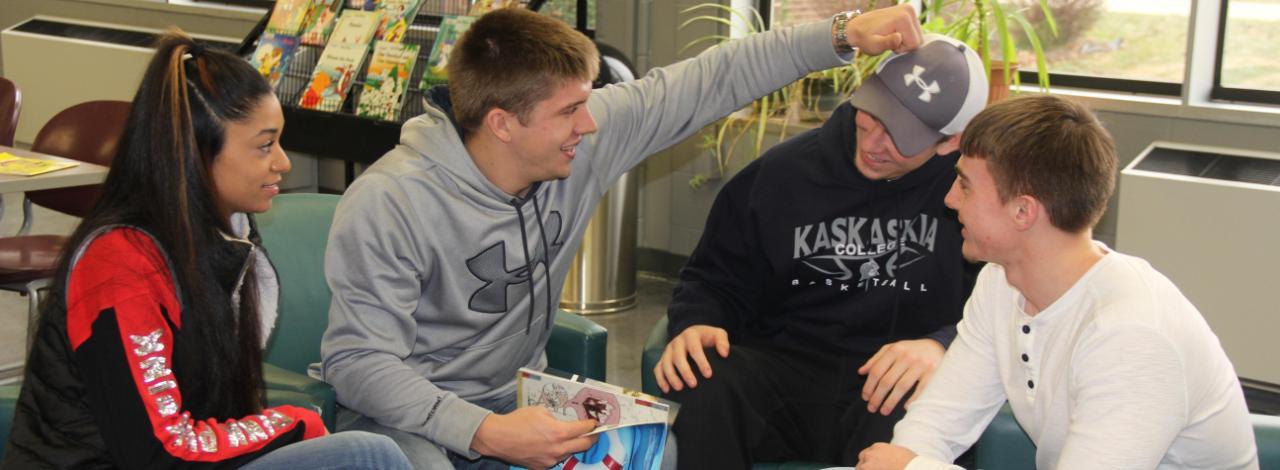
<point x="602" y="278"/>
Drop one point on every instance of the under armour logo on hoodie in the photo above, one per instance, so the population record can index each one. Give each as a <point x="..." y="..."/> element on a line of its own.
<point x="928" y="88"/>
<point x="490" y="267"/>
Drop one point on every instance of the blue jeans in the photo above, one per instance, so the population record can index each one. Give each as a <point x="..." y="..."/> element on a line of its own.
<point x="343" y="450"/>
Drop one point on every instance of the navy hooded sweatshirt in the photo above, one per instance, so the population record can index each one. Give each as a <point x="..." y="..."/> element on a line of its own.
<point x="801" y="251"/>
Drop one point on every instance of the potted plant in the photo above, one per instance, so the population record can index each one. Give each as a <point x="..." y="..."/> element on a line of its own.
<point x="980" y="23"/>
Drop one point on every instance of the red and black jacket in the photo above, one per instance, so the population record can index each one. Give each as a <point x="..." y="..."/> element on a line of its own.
<point x="99" y="390"/>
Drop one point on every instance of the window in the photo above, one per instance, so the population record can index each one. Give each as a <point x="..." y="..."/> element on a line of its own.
<point x="782" y="13"/>
<point x="1245" y="70"/>
<point x="1123" y="45"/>
<point x="1135" y="46"/>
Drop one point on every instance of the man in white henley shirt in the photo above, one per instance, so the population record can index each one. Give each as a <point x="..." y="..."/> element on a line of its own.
<point x="1103" y="361"/>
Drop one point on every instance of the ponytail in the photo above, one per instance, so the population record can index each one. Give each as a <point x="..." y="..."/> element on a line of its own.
<point x="160" y="180"/>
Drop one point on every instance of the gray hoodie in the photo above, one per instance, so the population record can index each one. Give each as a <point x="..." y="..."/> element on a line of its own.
<point x="430" y="263"/>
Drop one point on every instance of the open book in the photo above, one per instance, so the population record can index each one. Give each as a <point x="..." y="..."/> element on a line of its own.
<point x="632" y="425"/>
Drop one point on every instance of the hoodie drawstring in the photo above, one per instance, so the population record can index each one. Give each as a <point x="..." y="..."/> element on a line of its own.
<point x="528" y="263"/>
<point x="546" y="251"/>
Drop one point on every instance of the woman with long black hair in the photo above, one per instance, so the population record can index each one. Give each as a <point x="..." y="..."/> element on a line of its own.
<point x="148" y="352"/>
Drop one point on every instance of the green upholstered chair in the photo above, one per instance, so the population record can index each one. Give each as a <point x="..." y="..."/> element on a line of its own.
<point x="1005" y="446"/>
<point x="1266" y="430"/>
<point x="294" y="233"/>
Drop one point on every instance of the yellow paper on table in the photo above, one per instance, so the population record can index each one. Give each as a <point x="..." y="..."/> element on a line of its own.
<point x="11" y="164"/>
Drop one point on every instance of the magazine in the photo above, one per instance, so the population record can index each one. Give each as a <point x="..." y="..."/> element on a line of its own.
<point x="11" y="164"/>
<point x="271" y="58"/>
<point x="332" y="77"/>
<point x="287" y="16"/>
<point x="397" y="15"/>
<point x="451" y="29"/>
<point x="320" y="21"/>
<point x="480" y="7"/>
<point x="387" y="79"/>
<point x="632" y="425"/>
<point x="355" y="27"/>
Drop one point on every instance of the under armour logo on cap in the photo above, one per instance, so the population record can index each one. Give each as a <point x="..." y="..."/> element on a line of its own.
<point x="914" y="78"/>
<point x="926" y="94"/>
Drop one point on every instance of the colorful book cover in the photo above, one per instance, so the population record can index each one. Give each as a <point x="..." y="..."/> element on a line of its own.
<point x="366" y="5"/>
<point x="332" y="78"/>
<point x="632" y="425"/>
<point x="480" y="7"/>
<point x="287" y="17"/>
<point x="397" y="15"/>
<point x="355" y="27"/>
<point x="11" y="164"/>
<point x="320" y="21"/>
<point x="271" y="58"/>
<point x="387" y="79"/>
<point x="451" y="29"/>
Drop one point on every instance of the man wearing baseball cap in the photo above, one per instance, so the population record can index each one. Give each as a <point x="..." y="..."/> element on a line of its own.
<point x="829" y="278"/>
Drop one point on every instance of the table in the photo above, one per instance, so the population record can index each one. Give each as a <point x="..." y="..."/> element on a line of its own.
<point x="83" y="174"/>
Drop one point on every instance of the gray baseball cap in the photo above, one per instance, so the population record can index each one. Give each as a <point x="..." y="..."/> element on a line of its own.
<point x="926" y="94"/>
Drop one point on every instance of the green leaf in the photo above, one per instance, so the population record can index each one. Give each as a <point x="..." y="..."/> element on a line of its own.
<point x="1048" y="17"/>
<point x="761" y="124"/>
<point x="751" y="26"/>
<point x="717" y="38"/>
<point x="714" y="19"/>
<point x="697" y="181"/>
<point x="1042" y="67"/>
<point x="935" y="10"/>
<point x="1009" y="52"/>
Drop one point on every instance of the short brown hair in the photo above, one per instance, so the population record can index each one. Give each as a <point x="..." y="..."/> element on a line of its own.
<point x="513" y="58"/>
<point x="1048" y="148"/>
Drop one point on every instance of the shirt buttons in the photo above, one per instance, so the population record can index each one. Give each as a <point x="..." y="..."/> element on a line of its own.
<point x="1026" y="329"/>
<point x="1025" y="358"/>
<point x="1031" y="384"/>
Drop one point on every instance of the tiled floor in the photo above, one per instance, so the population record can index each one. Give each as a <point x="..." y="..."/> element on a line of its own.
<point x="628" y="330"/>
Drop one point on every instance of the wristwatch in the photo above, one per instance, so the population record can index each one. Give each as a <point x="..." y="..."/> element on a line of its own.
<point x="838" y="25"/>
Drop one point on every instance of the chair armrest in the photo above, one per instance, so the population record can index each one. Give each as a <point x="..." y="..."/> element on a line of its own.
<point x="653" y="347"/>
<point x="1266" y="431"/>
<point x="283" y="383"/>
<point x="578" y="345"/>
<point x="1004" y="445"/>
<point x="8" y="402"/>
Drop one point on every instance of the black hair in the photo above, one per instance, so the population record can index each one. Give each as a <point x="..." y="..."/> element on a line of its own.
<point x="160" y="181"/>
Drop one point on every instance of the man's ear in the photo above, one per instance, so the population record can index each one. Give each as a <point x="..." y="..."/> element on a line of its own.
<point x="1026" y="211"/>
<point x="499" y="122"/>
<point x="948" y="145"/>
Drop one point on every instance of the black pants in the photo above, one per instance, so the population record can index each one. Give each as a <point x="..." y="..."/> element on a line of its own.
<point x="767" y="405"/>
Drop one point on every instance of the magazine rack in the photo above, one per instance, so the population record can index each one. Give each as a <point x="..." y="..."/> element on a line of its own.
<point x="345" y="136"/>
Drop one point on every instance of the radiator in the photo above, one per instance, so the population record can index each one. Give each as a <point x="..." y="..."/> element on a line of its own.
<point x="1209" y="219"/>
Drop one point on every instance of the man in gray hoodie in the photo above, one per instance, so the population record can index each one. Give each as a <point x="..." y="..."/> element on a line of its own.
<point x="447" y="256"/>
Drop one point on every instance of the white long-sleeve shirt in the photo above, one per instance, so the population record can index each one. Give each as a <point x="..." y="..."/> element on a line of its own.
<point x="1119" y="372"/>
